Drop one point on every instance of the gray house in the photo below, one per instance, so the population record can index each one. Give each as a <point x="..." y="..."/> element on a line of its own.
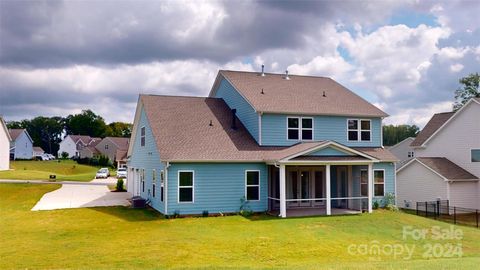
<point x="21" y="146"/>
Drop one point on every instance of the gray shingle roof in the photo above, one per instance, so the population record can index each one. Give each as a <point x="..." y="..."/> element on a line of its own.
<point x="431" y="127"/>
<point x="14" y="133"/>
<point x="182" y="132"/>
<point x="447" y="168"/>
<point x="299" y="95"/>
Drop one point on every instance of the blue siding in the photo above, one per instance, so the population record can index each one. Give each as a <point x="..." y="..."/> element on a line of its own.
<point x="245" y="112"/>
<point x="274" y="130"/>
<point x="147" y="158"/>
<point x="218" y="187"/>
<point x="389" y="179"/>
<point x="328" y="151"/>
<point x="23" y="147"/>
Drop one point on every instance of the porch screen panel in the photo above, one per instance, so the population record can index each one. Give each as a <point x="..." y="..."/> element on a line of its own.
<point x="305" y="178"/>
<point x="293" y="188"/>
<point x="319" y="185"/>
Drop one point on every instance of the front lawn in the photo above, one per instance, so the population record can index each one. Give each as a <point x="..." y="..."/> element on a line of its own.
<point x="118" y="237"/>
<point x="67" y="170"/>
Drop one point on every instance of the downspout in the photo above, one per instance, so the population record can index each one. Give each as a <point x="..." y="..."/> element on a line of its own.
<point x="165" y="195"/>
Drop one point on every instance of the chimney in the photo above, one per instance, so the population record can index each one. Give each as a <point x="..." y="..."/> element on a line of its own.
<point x="234" y="120"/>
<point x="286" y="75"/>
<point x="263" y="70"/>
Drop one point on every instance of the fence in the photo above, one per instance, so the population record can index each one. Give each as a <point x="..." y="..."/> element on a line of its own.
<point x="442" y="210"/>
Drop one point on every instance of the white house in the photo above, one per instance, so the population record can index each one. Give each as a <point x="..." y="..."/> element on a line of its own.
<point x="403" y="150"/>
<point x="21" y="146"/>
<point x="4" y="146"/>
<point x="446" y="165"/>
<point x="72" y="144"/>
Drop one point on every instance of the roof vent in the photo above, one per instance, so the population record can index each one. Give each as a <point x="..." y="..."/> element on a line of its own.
<point x="263" y="93"/>
<point x="324" y="95"/>
<point x="263" y="71"/>
<point x="211" y="123"/>
<point x="286" y="75"/>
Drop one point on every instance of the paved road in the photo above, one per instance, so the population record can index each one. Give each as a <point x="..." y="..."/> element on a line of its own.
<point x="98" y="182"/>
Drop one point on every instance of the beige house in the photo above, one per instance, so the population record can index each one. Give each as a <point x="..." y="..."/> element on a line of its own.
<point x="447" y="161"/>
<point x="403" y="150"/>
<point x="114" y="148"/>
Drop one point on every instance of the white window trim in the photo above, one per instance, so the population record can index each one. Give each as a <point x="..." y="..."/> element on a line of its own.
<point x="471" y="155"/>
<point x="246" y="185"/>
<point x="363" y="170"/>
<point x="192" y="186"/>
<point x="144" y="136"/>
<point x="384" y="182"/>
<point x="359" y="130"/>
<point x="300" y="128"/>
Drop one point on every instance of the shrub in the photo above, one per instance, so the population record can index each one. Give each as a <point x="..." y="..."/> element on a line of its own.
<point x="119" y="186"/>
<point x="103" y="161"/>
<point x="245" y="208"/>
<point x="390" y="202"/>
<point x="64" y="155"/>
<point x="375" y="205"/>
<point x="205" y="213"/>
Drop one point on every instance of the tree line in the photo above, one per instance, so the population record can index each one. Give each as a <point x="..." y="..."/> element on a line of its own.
<point x="47" y="132"/>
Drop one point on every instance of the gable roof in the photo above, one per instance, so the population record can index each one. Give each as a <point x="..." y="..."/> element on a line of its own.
<point x="121" y="155"/>
<point x="298" y="95"/>
<point x="431" y="127"/>
<point x="4" y="126"/>
<point x="120" y="142"/>
<point x="443" y="167"/>
<point x="437" y="122"/>
<point x="182" y="132"/>
<point x="14" y="133"/>
<point x="408" y="140"/>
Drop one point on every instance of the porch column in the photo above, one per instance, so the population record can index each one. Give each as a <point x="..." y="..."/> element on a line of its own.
<point x="328" y="191"/>
<point x="283" y="195"/>
<point x="370" y="187"/>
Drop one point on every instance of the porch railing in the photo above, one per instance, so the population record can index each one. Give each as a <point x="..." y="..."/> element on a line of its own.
<point x="355" y="204"/>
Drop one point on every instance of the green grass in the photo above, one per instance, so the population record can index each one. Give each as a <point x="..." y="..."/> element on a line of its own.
<point x="67" y="170"/>
<point x="118" y="237"/>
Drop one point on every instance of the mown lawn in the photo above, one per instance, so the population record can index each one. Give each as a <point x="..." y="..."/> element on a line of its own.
<point x="118" y="237"/>
<point x="67" y="170"/>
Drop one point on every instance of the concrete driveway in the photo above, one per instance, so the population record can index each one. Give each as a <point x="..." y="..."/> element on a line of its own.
<point x="82" y="195"/>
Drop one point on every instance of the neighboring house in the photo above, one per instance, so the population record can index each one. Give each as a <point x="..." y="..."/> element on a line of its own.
<point x="108" y="147"/>
<point x="121" y="158"/>
<point x="402" y="150"/>
<point x="447" y="161"/>
<point x="21" y="146"/>
<point x="38" y="151"/>
<point x="290" y="145"/>
<point x="4" y="146"/>
<point x="73" y="144"/>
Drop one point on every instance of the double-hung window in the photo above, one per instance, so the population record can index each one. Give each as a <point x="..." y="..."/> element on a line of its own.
<point x="154" y="179"/>
<point x="300" y="128"/>
<point x="252" y="189"/>
<point x="475" y="155"/>
<point x="364" y="182"/>
<point x="359" y="130"/>
<point x="185" y="186"/>
<point x="162" y="182"/>
<point x="142" y="136"/>
<point x="378" y="182"/>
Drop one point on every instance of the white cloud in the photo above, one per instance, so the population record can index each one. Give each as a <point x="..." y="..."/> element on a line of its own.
<point x="456" y="68"/>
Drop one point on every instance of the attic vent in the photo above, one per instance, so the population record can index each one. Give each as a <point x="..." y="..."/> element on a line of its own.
<point x="286" y="75"/>
<point x="263" y="71"/>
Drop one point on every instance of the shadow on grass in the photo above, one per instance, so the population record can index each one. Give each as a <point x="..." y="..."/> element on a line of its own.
<point x="130" y="214"/>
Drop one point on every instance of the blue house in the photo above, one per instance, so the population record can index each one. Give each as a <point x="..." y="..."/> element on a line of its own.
<point x="284" y="144"/>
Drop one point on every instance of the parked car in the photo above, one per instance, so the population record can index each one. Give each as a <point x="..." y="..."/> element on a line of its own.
<point x="41" y="157"/>
<point x="122" y="173"/>
<point x="50" y="156"/>
<point x="103" y="173"/>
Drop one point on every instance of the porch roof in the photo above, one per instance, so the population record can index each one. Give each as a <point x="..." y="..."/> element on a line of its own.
<point x="329" y="158"/>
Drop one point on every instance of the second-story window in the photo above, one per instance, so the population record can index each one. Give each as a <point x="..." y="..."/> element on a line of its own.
<point x="142" y="136"/>
<point x="359" y="130"/>
<point x="300" y="128"/>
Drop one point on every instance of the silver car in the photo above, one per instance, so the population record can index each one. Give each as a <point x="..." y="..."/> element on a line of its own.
<point x="103" y="173"/>
<point x="122" y="173"/>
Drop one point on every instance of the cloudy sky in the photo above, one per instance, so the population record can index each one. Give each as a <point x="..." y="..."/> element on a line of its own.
<point x="59" y="57"/>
